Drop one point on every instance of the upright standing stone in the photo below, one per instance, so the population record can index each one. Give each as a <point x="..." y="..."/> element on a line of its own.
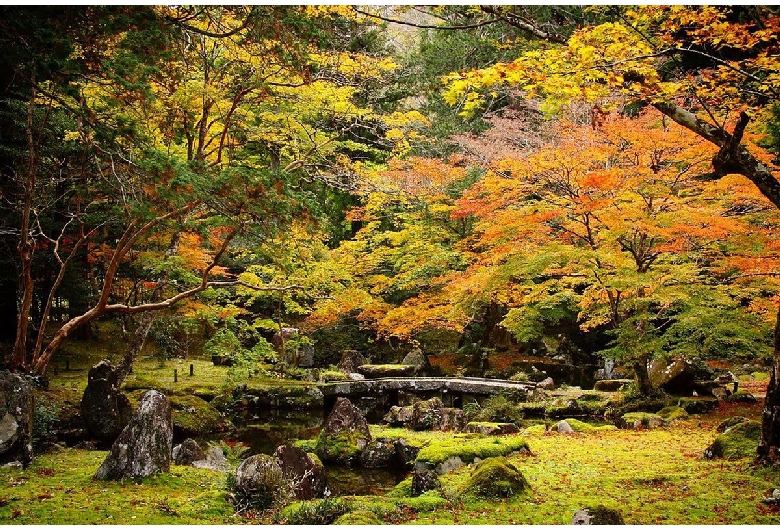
<point x="418" y="359"/>
<point x="344" y="435"/>
<point x="16" y="419"/>
<point x="145" y="445"/>
<point x="104" y="409"/>
<point x="350" y="361"/>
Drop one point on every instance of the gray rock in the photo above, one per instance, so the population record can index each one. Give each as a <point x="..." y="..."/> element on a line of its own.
<point x="398" y="416"/>
<point x="213" y="459"/>
<point x="346" y="417"/>
<point x="307" y="474"/>
<point x="598" y="515"/>
<point x="379" y="371"/>
<point x="418" y="359"/>
<point x="563" y="427"/>
<point x="144" y="447"/>
<point x="720" y="393"/>
<point x="17" y="406"/>
<point x="187" y="452"/>
<point x="423" y="481"/>
<point x="432" y="415"/>
<point x="546" y="384"/>
<point x="490" y="429"/>
<point x="104" y="408"/>
<point x="677" y="376"/>
<point x="379" y="454"/>
<point x="405" y="452"/>
<point x="350" y="361"/>
<point x="344" y="435"/>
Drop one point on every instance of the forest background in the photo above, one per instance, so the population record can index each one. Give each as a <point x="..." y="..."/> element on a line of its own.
<point x="597" y="183"/>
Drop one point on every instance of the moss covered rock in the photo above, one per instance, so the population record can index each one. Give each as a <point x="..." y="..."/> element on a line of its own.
<point x="359" y="517"/>
<point x="742" y="396"/>
<point x="672" y="413"/>
<point x="739" y="441"/>
<point x="376" y="371"/>
<point x="495" y="478"/>
<point x="260" y="484"/>
<point x="641" y="420"/>
<point x="344" y="436"/>
<point x="445" y="455"/>
<point x="598" y="515"/>
<point x="193" y="416"/>
<point x="731" y="422"/>
<point x="539" y="428"/>
<point x="491" y="428"/>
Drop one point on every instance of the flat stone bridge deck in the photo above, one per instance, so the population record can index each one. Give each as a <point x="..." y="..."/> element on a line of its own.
<point x="450" y="389"/>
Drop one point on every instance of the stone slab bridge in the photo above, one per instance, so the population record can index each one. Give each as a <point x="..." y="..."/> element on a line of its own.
<point x="389" y="391"/>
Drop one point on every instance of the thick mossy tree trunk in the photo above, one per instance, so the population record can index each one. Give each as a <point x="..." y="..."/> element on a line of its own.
<point x="769" y="447"/>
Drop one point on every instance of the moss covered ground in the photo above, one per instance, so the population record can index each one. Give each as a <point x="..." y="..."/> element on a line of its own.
<point x="655" y="476"/>
<point x="652" y="476"/>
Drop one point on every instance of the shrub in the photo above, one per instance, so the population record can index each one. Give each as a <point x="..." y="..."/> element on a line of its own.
<point x="317" y="512"/>
<point x="45" y="419"/>
<point x="501" y="409"/>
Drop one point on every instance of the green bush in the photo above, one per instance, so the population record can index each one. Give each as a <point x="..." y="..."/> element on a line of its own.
<point x="499" y="409"/>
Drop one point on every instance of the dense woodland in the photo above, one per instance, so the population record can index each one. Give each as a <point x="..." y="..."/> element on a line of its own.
<point x="580" y="184"/>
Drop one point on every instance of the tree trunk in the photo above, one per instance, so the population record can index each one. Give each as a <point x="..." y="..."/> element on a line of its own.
<point x="769" y="447"/>
<point x="641" y="377"/>
<point x="136" y="345"/>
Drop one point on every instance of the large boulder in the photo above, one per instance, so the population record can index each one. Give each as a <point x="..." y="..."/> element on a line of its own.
<point x="350" y="361"/>
<point x="16" y="419"/>
<point x="307" y="474"/>
<point x="739" y="441"/>
<point x="418" y="359"/>
<point x="104" y="408"/>
<point x="144" y="447"/>
<point x="679" y="376"/>
<point x="344" y="435"/>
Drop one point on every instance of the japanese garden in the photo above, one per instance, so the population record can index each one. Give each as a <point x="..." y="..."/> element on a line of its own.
<point x="301" y="264"/>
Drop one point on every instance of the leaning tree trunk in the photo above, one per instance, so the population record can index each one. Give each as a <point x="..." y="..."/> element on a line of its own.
<point x="769" y="447"/>
<point x="125" y="366"/>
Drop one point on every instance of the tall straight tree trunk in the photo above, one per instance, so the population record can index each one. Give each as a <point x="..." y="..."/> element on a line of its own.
<point x="769" y="447"/>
